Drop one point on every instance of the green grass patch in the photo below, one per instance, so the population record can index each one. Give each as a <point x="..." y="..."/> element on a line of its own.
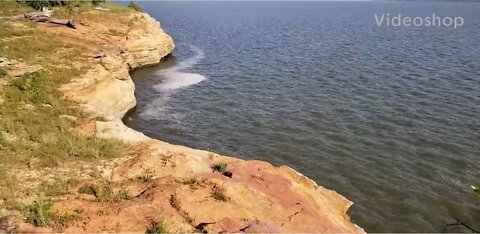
<point x="40" y="215"/>
<point x="28" y="88"/>
<point x="58" y="187"/>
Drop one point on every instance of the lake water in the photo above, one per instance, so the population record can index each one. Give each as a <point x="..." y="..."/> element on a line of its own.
<point x="388" y="117"/>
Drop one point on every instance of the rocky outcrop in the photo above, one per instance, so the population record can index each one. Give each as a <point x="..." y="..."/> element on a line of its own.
<point x="147" y="45"/>
<point x="16" y="68"/>
<point x="189" y="190"/>
<point x="107" y="89"/>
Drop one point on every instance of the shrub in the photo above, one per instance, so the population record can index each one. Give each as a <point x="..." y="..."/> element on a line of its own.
<point x="158" y="226"/>
<point x="134" y="5"/>
<point x="39" y="213"/>
<point x="122" y="195"/>
<point x="218" y="193"/>
<point x="220" y="167"/>
<point x="147" y="176"/>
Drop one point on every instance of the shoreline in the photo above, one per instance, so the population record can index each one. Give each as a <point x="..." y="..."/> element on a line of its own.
<point x="115" y="128"/>
<point x="188" y="190"/>
<point x="140" y="135"/>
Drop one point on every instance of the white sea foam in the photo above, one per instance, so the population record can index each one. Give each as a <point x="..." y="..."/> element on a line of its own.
<point x="172" y="80"/>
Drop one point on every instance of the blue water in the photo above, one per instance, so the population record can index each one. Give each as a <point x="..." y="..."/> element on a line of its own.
<point x="388" y="117"/>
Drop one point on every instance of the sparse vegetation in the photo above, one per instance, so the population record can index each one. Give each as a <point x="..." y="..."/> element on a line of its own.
<point x="190" y="181"/>
<point x="134" y="5"/>
<point x="147" y="176"/>
<point x="175" y="202"/>
<point x="158" y="226"/>
<point x="33" y="138"/>
<point x="218" y="193"/>
<point x="193" y="182"/>
<point x="40" y="214"/>
<point x="30" y="89"/>
<point x="103" y="192"/>
<point x="220" y="167"/>
<point x="58" y="187"/>
<point x="114" y="32"/>
<point x="123" y="195"/>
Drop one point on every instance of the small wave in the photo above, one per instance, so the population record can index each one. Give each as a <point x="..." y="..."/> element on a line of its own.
<point x="178" y="80"/>
<point x="173" y="79"/>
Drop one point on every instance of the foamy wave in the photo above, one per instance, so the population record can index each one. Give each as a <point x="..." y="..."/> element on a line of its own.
<point x="173" y="79"/>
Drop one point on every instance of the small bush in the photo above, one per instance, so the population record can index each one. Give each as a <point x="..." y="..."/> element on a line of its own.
<point x="39" y="213"/>
<point x="122" y="195"/>
<point x="220" y="167"/>
<point x="147" y="176"/>
<point x="190" y="181"/>
<point x="158" y="227"/>
<point x="134" y="5"/>
<point x="32" y="87"/>
<point x="218" y="193"/>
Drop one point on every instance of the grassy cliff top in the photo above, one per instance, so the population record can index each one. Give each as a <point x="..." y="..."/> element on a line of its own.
<point x="39" y="149"/>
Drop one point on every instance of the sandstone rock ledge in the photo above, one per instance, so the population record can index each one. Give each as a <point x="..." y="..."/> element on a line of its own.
<point x="175" y="183"/>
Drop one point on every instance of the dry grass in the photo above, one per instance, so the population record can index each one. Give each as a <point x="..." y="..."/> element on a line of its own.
<point x="8" y="8"/>
<point x="104" y="192"/>
<point x="32" y="135"/>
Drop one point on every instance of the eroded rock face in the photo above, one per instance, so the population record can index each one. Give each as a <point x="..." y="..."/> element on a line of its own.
<point x="107" y="89"/>
<point x="147" y="45"/>
<point x="178" y="184"/>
